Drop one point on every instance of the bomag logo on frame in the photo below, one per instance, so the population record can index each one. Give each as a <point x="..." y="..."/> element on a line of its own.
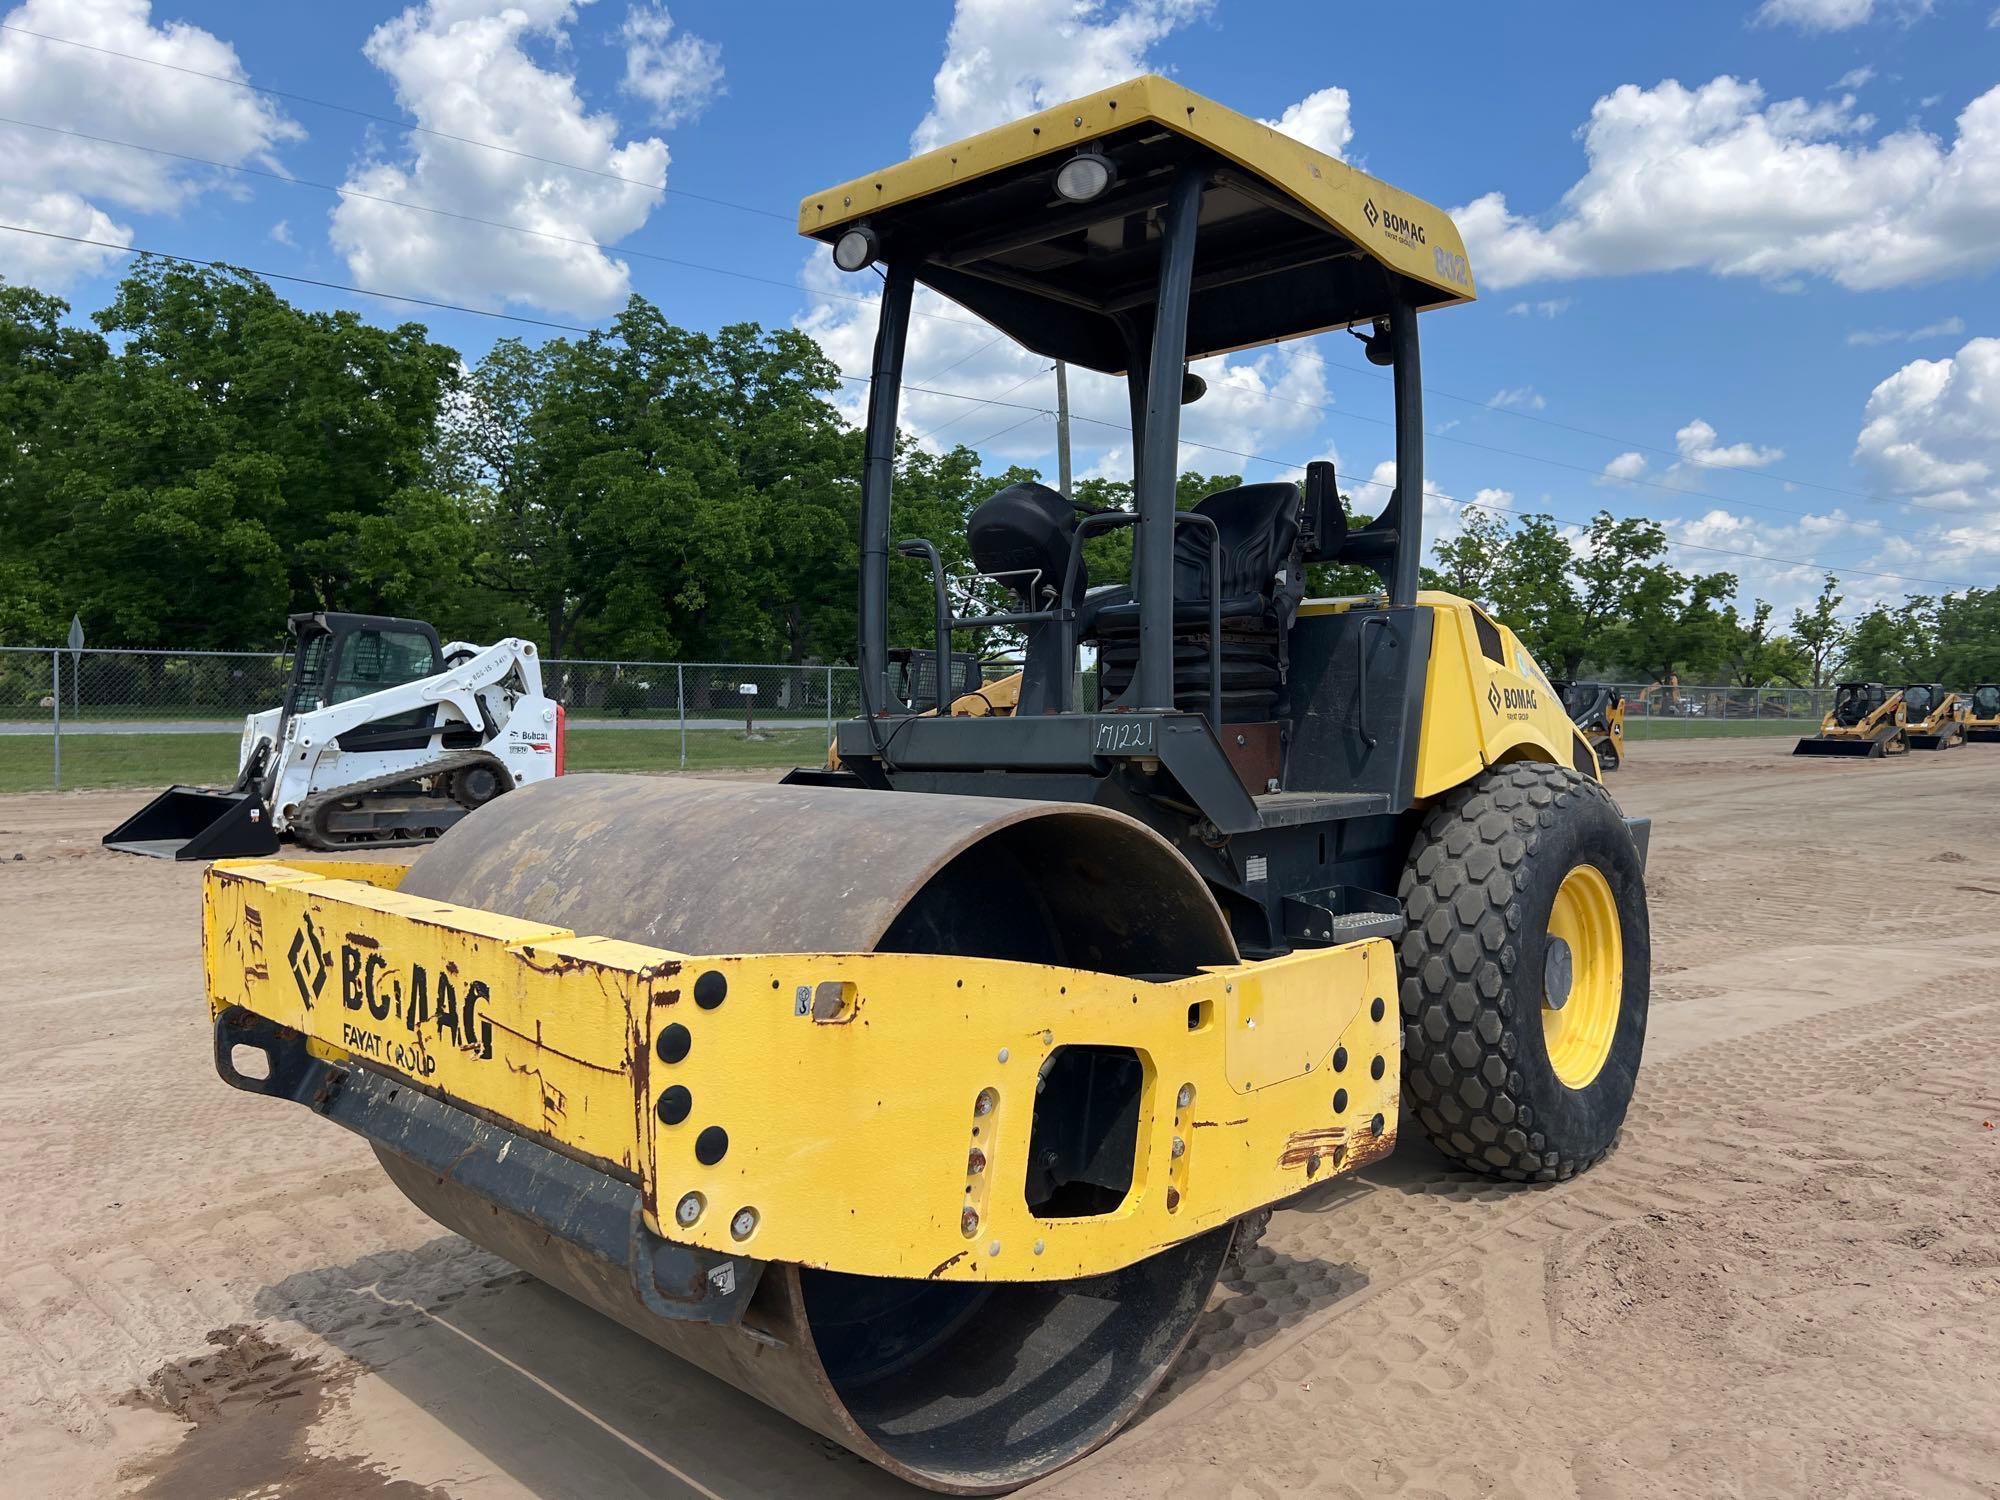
<point x="414" y="1009"/>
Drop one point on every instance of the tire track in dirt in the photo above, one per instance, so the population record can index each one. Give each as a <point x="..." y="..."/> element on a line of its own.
<point x="1422" y="1332"/>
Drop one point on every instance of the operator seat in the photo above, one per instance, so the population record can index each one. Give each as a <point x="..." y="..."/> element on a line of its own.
<point x="1263" y="579"/>
<point x="1021" y="536"/>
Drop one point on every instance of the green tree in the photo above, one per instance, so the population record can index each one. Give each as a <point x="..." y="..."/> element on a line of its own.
<point x="1470" y="562"/>
<point x="1616" y="565"/>
<point x="40" y="359"/>
<point x="1895" y="645"/>
<point x="1535" y="592"/>
<point x="602" y="499"/>
<point x="1753" y="656"/>
<point x="222" y="465"/>
<point x="1968" y="632"/>
<point x="1821" y="636"/>
<point x="1667" y="622"/>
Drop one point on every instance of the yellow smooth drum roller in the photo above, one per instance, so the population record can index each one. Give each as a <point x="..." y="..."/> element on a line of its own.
<point x="970" y="1389"/>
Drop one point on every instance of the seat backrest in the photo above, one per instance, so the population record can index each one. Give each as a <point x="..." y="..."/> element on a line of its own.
<point x="1021" y="535"/>
<point x="1259" y="531"/>
<point x="1855" y="701"/>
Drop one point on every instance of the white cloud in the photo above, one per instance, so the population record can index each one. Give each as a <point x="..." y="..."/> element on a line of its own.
<point x="1716" y="178"/>
<point x="1855" y="78"/>
<point x="1784" y="570"/>
<point x="1835" y="15"/>
<point x="1548" y="307"/>
<point x="1698" y="448"/>
<point x="1623" y="469"/>
<point x="1004" y="60"/>
<point x="1008" y="58"/>
<point x="1944" y="327"/>
<point x="1931" y="431"/>
<point x="462" y="66"/>
<point x="280" y="233"/>
<point x="66" y="185"/>
<point x="1520" y="398"/>
<point x="676" y="75"/>
<point x="1930" y="434"/>
<point x="1444" y="517"/>
<point x="1323" y="120"/>
<point x="53" y="264"/>
<point x="1269" y="403"/>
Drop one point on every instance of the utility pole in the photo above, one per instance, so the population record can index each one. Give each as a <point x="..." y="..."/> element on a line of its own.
<point x="1062" y="427"/>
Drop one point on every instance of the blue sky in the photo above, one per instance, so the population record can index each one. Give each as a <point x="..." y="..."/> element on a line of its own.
<point x="1736" y="259"/>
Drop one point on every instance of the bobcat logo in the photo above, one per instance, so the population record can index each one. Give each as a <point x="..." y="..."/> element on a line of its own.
<point x="308" y="961"/>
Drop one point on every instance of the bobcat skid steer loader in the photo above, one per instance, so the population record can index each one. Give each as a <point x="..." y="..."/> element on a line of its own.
<point x="385" y="737"/>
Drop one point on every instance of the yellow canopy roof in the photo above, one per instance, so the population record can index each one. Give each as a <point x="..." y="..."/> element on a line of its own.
<point x="1291" y="242"/>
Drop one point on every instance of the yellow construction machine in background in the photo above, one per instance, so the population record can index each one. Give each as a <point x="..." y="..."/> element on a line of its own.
<point x="1982" y="720"/>
<point x="1867" y="720"/>
<point x="1935" y="719"/>
<point x="1598" y="711"/>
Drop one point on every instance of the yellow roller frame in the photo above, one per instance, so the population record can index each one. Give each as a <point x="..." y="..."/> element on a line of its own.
<point x="1486" y="700"/>
<point x="874" y="1109"/>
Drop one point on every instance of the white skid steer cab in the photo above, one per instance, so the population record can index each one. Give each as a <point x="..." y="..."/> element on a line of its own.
<point x="385" y="737"/>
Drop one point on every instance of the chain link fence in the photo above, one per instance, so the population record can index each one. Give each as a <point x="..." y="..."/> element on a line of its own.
<point x="97" y="718"/>
<point x="1664" y="711"/>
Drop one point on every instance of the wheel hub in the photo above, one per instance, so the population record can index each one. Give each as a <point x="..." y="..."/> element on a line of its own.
<point x="1583" y="977"/>
<point x="1558" y="973"/>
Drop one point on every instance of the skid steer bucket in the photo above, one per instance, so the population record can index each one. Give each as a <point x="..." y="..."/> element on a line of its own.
<point x="1859" y="746"/>
<point x="190" y="822"/>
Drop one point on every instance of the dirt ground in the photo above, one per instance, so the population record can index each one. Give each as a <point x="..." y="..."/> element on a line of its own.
<point x="1786" y="1280"/>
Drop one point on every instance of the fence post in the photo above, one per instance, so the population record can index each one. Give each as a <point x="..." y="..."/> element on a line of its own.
<point x="829" y="705"/>
<point x="55" y="697"/>
<point x="681" y="705"/>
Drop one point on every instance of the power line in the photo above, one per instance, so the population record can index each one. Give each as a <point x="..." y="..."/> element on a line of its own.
<point x="954" y="395"/>
<point x="380" y="119"/>
<point x="343" y="191"/>
<point x="1791" y="562"/>
<point x="1673" y="453"/>
<point x="964" y="358"/>
<point x="992" y="436"/>
<point x="1557" y="463"/>
<point x="335" y="286"/>
<point x="999" y="400"/>
<point x="662" y="187"/>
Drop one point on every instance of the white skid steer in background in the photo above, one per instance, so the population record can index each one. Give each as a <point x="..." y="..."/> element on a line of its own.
<point x="385" y="737"/>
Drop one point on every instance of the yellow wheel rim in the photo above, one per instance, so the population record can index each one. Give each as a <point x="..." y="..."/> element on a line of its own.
<point x="1583" y="977"/>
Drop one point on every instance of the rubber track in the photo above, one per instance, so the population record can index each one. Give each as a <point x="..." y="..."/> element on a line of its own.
<point x="305" y="824"/>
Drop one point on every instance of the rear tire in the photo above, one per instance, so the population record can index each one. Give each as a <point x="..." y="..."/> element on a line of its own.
<point x="1500" y="1080"/>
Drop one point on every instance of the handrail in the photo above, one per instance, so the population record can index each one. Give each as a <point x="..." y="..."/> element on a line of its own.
<point x="920" y="547"/>
<point x="1067" y="613"/>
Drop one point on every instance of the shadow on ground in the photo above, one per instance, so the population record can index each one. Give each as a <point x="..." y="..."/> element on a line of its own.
<point x="569" y="1403"/>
